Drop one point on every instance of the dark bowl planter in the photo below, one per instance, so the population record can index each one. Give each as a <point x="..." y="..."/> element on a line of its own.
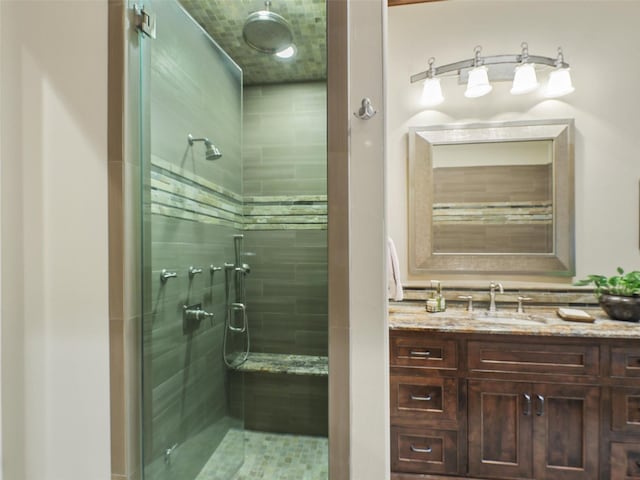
<point x="621" y="308"/>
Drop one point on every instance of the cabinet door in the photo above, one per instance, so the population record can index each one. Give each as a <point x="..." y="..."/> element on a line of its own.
<point x="500" y="429"/>
<point x="625" y="461"/>
<point x="566" y="432"/>
<point x="625" y="410"/>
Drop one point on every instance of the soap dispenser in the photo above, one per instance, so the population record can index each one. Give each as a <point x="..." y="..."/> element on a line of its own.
<point x="436" y="303"/>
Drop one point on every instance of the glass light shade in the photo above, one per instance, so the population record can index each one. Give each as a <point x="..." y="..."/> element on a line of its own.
<point x="432" y="92"/>
<point x="559" y="83"/>
<point x="478" y="84"/>
<point x="524" y="79"/>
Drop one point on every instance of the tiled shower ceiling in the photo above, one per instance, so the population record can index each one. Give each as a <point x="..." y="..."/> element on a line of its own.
<point x="223" y="19"/>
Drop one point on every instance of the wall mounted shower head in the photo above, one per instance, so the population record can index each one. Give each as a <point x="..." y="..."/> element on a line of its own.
<point x="212" y="152"/>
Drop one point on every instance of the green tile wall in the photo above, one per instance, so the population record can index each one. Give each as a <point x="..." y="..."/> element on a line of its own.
<point x="285" y="156"/>
<point x="284" y="144"/>
<point x="194" y="89"/>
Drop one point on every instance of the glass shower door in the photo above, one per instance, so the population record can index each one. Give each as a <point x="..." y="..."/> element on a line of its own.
<point x="191" y="183"/>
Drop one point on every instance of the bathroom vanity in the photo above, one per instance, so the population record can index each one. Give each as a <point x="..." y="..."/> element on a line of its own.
<point x="507" y="395"/>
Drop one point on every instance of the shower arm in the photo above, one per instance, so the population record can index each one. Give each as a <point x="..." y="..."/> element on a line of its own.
<point x="192" y="140"/>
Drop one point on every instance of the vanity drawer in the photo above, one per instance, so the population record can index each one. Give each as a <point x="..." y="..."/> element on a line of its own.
<point x="625" y="362"/>
<point x="625" y="461"/>
<point x="534" y="358"/>
<point x="419" y="399"/>
<point x="415" y="450"/>
<point x="625" y="410"/>
<point x="423" y="352"/>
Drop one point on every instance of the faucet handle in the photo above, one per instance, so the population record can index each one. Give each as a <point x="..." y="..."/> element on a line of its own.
<point x="470" y="301"/>
<point x="520" y="300"/>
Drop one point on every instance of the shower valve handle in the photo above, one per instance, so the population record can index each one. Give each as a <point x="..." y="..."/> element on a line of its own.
<point x="193" y="271"/>
<point x="195" y="313"/>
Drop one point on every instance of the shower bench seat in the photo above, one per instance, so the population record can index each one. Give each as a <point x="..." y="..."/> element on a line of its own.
<point x="284" y="393"/>
<point x="287" y="364"/>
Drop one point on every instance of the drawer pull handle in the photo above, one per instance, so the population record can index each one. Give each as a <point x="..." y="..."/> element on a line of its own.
<point x="422" y="399"/>
<point x="540" y="411"/>
<point x="527" y="405"/>
<point x="420" y="450"/>
<point x="426" y="353"/>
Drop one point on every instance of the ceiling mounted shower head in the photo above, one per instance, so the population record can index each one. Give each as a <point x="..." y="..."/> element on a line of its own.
<point x="212" y="152"/>
<point x="267" y="31"/>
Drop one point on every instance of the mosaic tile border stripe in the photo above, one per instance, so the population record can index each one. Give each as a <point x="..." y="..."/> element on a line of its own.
<point x="501" y="213"/>
<point x="184" y="195"/>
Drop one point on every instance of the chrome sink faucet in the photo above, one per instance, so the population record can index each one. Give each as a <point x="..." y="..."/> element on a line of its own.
<point x="492" y="295"/>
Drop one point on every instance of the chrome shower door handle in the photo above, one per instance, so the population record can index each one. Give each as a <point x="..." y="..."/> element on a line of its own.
<point x="238" y="307"/>
<point x="366" y="110"/>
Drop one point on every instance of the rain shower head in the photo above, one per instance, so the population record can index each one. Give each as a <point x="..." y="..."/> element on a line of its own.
<point x="212" y="152"/>
<point x="267" y="31"/>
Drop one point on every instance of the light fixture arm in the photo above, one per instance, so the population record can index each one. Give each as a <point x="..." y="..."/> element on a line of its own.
<point x="492" y="60"/>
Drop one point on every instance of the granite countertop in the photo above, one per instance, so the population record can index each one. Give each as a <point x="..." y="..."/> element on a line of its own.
<point x="542" y="321"/>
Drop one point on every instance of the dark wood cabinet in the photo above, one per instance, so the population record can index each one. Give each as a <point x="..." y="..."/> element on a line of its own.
<point x="500" y="420"/>
<point x="541" y="431"/>
<point x="625" y="461"/>
<point x="514" y="407"/>
<point x="566" y="431"/>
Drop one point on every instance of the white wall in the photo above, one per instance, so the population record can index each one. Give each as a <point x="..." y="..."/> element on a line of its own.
<point x="600" y="41"/>
<point x="367" y="243"/>
<point x="55" y="377"/>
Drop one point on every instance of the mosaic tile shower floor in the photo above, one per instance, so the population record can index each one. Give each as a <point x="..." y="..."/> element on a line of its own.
<point x="268" y="456"/>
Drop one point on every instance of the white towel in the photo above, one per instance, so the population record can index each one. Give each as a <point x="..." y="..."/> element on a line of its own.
<point x="394" y="286"/>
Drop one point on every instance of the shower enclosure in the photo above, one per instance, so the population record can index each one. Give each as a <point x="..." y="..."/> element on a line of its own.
<point x="234" y="271"/>
<point x="191" y="169"/>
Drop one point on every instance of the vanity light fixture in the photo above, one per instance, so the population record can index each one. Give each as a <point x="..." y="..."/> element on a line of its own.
<point x="559" y="79"/>
<point x="477" y="72"/>
<point x="478" y="84"/>
<point x="432" y="91"/>
<point x="524" y="77"/>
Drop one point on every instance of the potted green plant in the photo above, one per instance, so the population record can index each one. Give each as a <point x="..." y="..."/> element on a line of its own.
<point x="619" y="295"/>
